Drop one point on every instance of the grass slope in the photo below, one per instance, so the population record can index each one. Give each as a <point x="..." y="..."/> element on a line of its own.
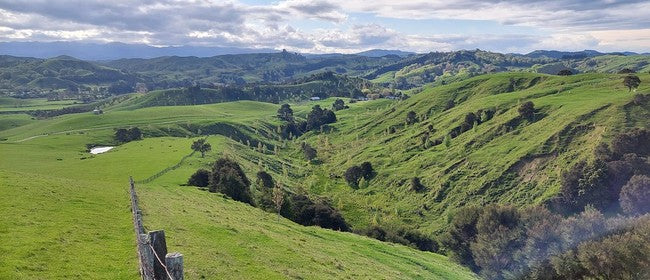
<point x="491" y="163"/>
<point x="69" y="211"/>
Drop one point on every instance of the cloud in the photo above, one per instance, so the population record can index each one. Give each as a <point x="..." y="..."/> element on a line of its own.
<point x="570" y="25"/>
<point x="562" y="15"/>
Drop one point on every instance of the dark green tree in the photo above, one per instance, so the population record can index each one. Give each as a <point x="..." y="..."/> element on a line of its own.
<point x="285" y="113"/>
<point x="201" y="146"/>
<point x="338" y="104"/>
<point x="631" y="81"/>
<point x="200" y="178"/>
<point x="228" y="178"/>
<point x="411" y="118"/>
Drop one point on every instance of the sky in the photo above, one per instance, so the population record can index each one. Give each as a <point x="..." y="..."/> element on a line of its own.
<point x="343" y="26"/>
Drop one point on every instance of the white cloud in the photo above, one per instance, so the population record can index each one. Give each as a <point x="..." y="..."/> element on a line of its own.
<point x="574" y="24"/>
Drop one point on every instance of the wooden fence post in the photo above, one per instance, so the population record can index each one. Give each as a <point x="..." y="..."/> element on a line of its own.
<point x="157" y="239"/>
<point x="147" y="259"/>
<point x="174" y="262"/>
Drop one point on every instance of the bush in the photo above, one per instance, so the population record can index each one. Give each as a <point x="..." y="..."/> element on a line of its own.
<point x="309" y="152"/>
<point x="228" y="178"/>
<point x="265" y="180"/>
<point x="635" y="195"/>
<point x="353" y="175"/>
<point x="416" y="185"/>
<point x="124" y="135"/>
<point x="366" y="170"/>
<point x="527" y="110"/>
<point x="565" y="72"/>
<point x="309" y="213"/>
<point x="339" y="105"/>
<point x="200" y="178"/>
<point x="411" y="118"/>
<point x="635" y="140"/>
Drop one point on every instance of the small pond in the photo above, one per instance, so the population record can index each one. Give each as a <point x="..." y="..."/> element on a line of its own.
<point x="99" y="150"/>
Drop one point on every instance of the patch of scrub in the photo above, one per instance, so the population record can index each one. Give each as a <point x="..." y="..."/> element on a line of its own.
<point x="99" y="150"/>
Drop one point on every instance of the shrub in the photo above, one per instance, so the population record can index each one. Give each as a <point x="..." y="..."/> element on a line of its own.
<point x="565" y="72"/>
<point x="265" y="180"/>
<point x="228" y="178"/>
<point x="366" y="170"/>
<point x="338" y="105"/>
<point x="527" y="110"/>
<point x="309" y="152"/>
<point x="416" y="185"/>
<point x="309" y="213"/>
<point x="411" y="118"/>
<point x="200" y="178"/>
<point x="285" y="113"/>
<point x="353" y="175"/>
<point x="635" y="195"/>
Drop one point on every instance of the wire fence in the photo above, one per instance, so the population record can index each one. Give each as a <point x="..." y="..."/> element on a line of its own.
<point x="154" y="261"/>
<point x="162" y="172"/>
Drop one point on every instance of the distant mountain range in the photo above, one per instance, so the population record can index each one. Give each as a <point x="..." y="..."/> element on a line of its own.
<point x="114" y="51"/>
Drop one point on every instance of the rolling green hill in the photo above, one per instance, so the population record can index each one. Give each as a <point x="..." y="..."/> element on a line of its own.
<point x="502" y="158"/>
<point x="66" y="202"/>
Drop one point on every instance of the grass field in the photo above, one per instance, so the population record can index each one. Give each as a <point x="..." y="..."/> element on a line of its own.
<point x="69" y="211"/>
<point x="9" y="104"/>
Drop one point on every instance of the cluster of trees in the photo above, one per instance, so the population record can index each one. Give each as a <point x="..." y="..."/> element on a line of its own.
<point x="227" y="177"/>
<point x="317" y="119"/>
<point x="355" y="174"/>
<point x="602" y="183"/>
<point x="472" y="120"/>
<point x="502" y="242"/>
<point x="124" y="135"/>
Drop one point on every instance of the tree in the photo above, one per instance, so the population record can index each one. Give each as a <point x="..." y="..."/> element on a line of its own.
<point x="309" y="152"/>
<point x="228" y="178"/>
<point x="285" y="113"/>
<point x="631" y="81"/>
<point x="635" y="195"/>
<point x="201" y="146"/>
<point x="318" y="117"/>
<point x="565" y="72"/>
<point x="265" y="180"/>
<point x="353" y="175"/>
<point x="122" y="135"/>
<point x="411" y="118"/>
<point x="278" y="198"/>
<point x="135" y="134"/>
<point x="366" y="170"/>
<point x="338" y="105"/>
<point x="200" y="178"/>
<point x="527" y="110"/>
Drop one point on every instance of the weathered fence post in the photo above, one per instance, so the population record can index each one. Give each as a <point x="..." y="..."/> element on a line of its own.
<point x="174" y="262"/>
<point x="155" y="263"/>
<point x="157" y="239"/>
<point x="147" y="259"/>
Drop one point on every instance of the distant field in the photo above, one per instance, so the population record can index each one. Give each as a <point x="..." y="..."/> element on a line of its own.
<point x="9" y="104"/>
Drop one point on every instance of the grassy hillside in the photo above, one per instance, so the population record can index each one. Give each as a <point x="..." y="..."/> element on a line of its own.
<point x="504" y="159"/>
<point x="66" y="202"/>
